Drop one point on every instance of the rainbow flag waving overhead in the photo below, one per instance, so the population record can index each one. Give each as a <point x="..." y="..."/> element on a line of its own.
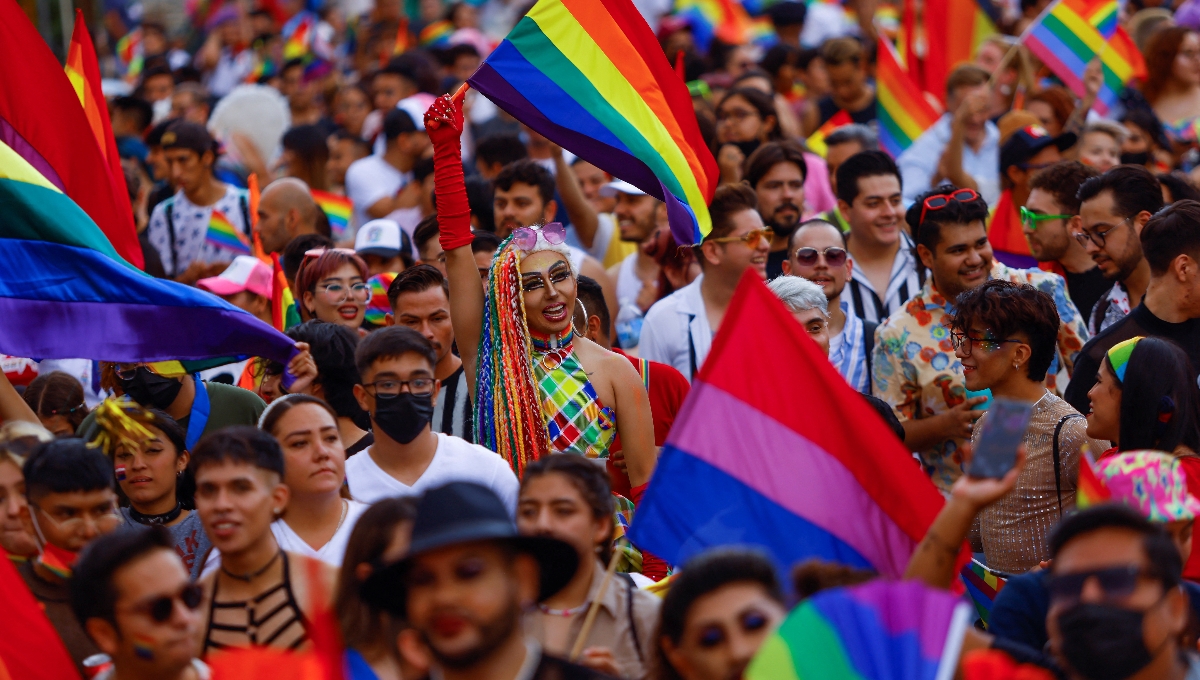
<point x="337" y="209"/>
<point x="802" y="474"/>
<point x="222" y="234"/>
<point x="1069" y="34"/>
<point x="590" y="76"/>
<point x="901" y="110"/>
<point x="876" y="631"/>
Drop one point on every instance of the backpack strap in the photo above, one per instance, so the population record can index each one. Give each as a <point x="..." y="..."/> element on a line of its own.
<point x="244" y="204"/>
<point x="1058" y="457"/>
<point x="633" y="631"/>
<point x="168" y="212"/>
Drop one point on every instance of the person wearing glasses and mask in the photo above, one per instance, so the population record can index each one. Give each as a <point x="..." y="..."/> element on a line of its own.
<point x="1170" y="309"/>
<point x="679" y="329"/>
<point x="817" y="252"/>
<point x="1004" y="335"/>
<point x="399" y="391"/>
<point x="914" y="367"/>
<point x="1114" y="209"/>
<point x="132" y="595"/>
<point x="539" y="388"/>
<point x="331" y="285"/>
<point x="70" y="502"/>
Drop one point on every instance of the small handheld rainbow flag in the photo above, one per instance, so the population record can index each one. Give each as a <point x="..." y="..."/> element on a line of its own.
<point x="436" y="34"/>
<point x="983" y="585"/>
<point x="337" y="209"/>
<point x="297" y="36"/>
<point x="902" y="111"/>
<point x="284" y="313"/>
<point x="222" y="234"/>
<point x="1090" y="490"/>
<point x="816" y="142"/>
<point x="403" y="39"/>
<point x="378" y="305"/>
<point x="1071" y="33"/>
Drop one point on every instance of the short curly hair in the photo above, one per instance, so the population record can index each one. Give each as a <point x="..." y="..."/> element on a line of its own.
<point x="1007" y="308"/>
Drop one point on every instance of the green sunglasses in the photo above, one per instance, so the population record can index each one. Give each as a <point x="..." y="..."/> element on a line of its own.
<point x="1034" y="219"/>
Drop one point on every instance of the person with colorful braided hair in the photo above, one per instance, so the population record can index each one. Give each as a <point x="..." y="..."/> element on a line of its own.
<point x="539" y="388"/>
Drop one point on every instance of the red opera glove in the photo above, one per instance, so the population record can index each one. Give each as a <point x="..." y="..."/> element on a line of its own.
<point x="444" y="124"/>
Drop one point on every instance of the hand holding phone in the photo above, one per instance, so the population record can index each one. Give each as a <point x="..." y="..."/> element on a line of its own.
<point x="1003" y="430"/>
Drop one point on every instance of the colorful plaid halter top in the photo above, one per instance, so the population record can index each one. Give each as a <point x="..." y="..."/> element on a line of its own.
<point x="575" y="419"/>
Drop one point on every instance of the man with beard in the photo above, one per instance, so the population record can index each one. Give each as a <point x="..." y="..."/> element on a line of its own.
<point x="886" y="273"/>
<point x="1113" y="210"/>
<point x="467" y="579"/>
<point x="524" y="197"/>
<point x="776" y="171"/>
<point x="817" y="252"/>
<point x="636" y="276"/>
<point x="1050" y="218"/>
<point x="914" y="368"/>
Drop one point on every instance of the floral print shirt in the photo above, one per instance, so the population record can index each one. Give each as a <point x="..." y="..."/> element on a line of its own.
<point x="915" y="371"/>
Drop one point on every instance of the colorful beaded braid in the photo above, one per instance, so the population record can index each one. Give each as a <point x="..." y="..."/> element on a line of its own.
<point x="508" y="415"/>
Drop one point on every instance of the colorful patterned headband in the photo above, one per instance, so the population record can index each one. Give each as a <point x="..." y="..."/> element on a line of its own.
<point x="1118" y="356"/>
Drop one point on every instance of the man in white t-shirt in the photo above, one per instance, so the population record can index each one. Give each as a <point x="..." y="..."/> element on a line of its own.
<point x="373" y="183"/>
<point x="399" y="391"/>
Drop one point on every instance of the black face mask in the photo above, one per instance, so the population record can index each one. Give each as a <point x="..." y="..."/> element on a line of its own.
<point x="1103" y="642"/>
<point x="747" y="147"/>
<point x="151" y="389"/>
<point x="1139" y="158"/>
<point x="403" y="416"/>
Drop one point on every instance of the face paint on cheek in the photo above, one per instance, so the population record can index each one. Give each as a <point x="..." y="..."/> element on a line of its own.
<point x="120" y="470"/>
<point x="143" y="647"/>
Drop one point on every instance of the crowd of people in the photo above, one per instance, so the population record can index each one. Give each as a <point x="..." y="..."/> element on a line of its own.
<point x="472" y="299"/>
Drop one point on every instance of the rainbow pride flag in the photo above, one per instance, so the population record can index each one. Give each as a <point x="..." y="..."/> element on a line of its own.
<point x="1121" y="61"/>
<point x="337" y="209"/>
<point x="378" y="305"/>
<point x="1090" y="490"/>
<point x="816" y="142"/>
<point x="404" y="40"/>
<point x="298" y="36"/>
<point x="901" y="109"/>
<point x="1071" y="33"/>
<point x="66" y="292"/>
<point x="983" y="585"/>
<point x="284" y="313"/>
<point x="725" y="20"/>
<point x="800" y="473"/>
<point x="130" y="54"/>
<point x="436" y="34"/>
<point x="590" y="76"/>
<point x="222" y="234"/>
<point x="880" y="630"/>
<point x="954" y="30"/>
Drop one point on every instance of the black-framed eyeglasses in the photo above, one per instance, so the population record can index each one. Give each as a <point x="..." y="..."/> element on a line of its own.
<point x="966" y="343"/>
<point x="1116" y="582"/>
<point x="161" y="608"/>
<point x="1097" y="237"/>
<point x="392" y="388"/>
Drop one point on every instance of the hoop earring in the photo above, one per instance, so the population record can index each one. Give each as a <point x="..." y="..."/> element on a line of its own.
<point x="585" y="318"/>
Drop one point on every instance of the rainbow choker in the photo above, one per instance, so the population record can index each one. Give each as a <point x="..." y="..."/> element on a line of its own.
<point x="545" y="343"/>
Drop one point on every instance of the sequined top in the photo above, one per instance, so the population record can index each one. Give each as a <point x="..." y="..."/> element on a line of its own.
<point x="915" y="371"/>
<point x="1015" y="530"/>
<point x="575" y="419"/>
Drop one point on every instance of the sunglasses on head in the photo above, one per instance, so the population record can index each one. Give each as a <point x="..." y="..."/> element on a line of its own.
<point x="161" y="608"/>
<point x="834" y="256"/>
<point x="525" y="238"/>
<point x="939" y="201"/>
<point x="1116" y="582"/>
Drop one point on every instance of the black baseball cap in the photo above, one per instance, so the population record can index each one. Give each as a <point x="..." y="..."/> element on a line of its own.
<point x="1026" y="142"/>
<point x="183" y="134"/>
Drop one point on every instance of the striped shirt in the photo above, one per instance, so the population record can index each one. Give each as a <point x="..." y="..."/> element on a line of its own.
<point x="458" y="420"/>
<point x="847" y="352"/>
<point x="903" y="284"/>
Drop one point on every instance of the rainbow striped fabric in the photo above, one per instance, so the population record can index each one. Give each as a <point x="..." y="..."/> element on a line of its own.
<point x="725" y="20"/>
<point x="1071" y="33"/>
<point x="222" y="234"/>
<point x="880" y="630"/>
<point x="67" y="293"/>
<point x="403" y="38"/>
<point x="298" y="36"/>
<point x="378" y="306"/>
<point x="590" y="76"/>
<point x="284" y="313"/>
<point x="816" y="142"/>
<point x="901" y="109"/>
<point x="954" y="30"/>
<point x="801" y="474"/>
<point x="436" y="34"/>
<point x="337" y="209"/>
<point x="982" y="587"/>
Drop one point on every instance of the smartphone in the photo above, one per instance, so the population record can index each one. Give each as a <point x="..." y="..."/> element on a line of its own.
<point x="1003" y="429"/>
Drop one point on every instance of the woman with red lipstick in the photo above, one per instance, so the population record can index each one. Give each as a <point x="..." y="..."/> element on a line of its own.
<point x="1004" y="334"/>
<point x="332" y="286"/>
<point x="152" y="476"/>
<point x="318" y="519"/>
<point x="539" y="389"/>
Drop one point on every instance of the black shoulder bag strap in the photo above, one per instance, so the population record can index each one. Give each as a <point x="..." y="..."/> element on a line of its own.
<point x="691" y="348"/>
<point x="1058" y="457"/>
<point x="169" y="213"/>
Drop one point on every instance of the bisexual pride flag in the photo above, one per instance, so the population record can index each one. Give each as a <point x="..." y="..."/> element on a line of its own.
<point x="791" y="459"/>
<point x="876" y="631"/>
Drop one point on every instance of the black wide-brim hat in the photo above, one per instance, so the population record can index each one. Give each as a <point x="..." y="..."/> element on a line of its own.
<point x="462" y="512"/>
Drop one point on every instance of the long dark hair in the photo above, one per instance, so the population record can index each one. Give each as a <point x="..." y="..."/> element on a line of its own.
<point x="1159" y="399"/>
<point x="588" y="479"/>
<point x="362" y="624"/>
<point x="333" y="348"/>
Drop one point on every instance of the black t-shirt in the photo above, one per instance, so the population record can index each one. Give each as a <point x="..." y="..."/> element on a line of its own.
<point x="775" y="260"/>
<point x="1140" y="321"/>
<point x="827" y="109"/>
<point x="1086" y="288"/>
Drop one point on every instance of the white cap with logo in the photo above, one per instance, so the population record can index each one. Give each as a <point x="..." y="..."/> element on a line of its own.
<point x="620" y="186"/>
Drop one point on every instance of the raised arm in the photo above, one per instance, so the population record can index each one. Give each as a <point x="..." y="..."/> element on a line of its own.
<point x="12" y="406"/>
<point x="444" y="123"/>
<point x="579" y="210"/>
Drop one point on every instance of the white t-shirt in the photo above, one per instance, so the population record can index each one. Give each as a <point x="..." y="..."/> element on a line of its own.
<point x="455" y="460"/>
<point x="333" y="550"/>
<point x="370" y="179"/>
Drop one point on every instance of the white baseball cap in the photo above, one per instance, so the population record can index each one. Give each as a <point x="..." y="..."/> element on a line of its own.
<point x="381" y="237"/>
<point x="244" y="273"/>
<point x="620" y="186"/>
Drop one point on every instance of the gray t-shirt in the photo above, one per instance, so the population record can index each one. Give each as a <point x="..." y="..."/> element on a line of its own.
<point x="191" y="542"/>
